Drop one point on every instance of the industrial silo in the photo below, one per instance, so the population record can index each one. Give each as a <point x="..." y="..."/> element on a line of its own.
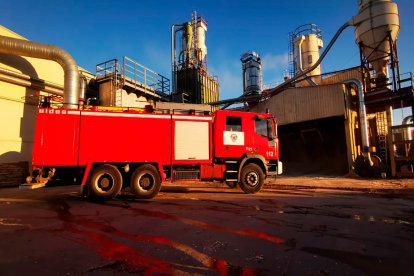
<point x="376" y="29"/>
<point x="252" y="73"/>
<point x="305" y="44"/>
<point x="191" y="81"/>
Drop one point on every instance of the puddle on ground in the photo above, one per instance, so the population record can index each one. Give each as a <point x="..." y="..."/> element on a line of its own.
<point x="381" y="219"/>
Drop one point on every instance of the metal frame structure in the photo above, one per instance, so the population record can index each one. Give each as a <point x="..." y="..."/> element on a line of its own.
<point x="135" y="76"/>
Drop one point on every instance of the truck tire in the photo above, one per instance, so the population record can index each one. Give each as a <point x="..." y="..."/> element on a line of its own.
<point x="251" y="178"/>
<point x="105" y="182"/>
<point x="145" y="182"/>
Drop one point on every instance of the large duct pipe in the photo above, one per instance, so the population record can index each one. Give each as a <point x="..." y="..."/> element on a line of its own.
<point x="173" y="56"/>
<point x="362" y="118"/>
<point x="20" y="47"/>
<point x="28" y="81"/>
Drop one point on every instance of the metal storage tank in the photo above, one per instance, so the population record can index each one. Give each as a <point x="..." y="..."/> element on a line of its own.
<point x="201" y="38"/>
<point x="376" y="23"/>
<point x="306" y="41"/>
<point x="252" y="73"/>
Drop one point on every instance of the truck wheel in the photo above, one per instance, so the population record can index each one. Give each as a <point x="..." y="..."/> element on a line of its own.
<point x="105" y="182"/>
<point x="145" y="182"/>
<point x="251" y="179"/>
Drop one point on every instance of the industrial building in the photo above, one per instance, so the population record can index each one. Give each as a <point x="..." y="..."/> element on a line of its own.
<point x="341" y="122"/>
<point x="331" y="123"/>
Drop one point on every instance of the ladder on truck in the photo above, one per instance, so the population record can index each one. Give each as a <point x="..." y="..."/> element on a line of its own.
<point x="232" y="173"/>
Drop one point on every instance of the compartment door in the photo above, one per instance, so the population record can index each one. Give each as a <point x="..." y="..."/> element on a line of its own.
<point x="191" y="140"/>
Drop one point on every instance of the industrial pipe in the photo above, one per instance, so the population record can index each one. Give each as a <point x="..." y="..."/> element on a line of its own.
<point x="83" y="88"/>
<point x="362" y="118"/>
<point x="21" y="47"/>
<point x="300" y="65"/>
<point x="27" y="81"/>
<point x="173" y="58"/>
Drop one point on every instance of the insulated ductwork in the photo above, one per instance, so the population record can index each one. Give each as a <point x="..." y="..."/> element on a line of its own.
<point x="20" y="47"/>
<point x="362" y="119"/>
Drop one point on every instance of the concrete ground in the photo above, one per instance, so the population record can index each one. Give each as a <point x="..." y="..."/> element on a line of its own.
<point x="294" y="226"/>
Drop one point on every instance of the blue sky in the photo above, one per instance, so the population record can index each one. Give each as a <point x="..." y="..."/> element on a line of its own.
<point x="93" y="32"/>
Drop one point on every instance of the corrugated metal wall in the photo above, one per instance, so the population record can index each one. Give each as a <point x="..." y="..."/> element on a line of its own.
<point x="305" y="104"/>
<point x="354" y="73"/>
<point x="198" y="86"/>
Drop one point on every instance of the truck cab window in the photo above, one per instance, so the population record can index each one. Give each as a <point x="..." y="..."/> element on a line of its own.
<point x="233" y="123"/>
<point x="261" y="127"/>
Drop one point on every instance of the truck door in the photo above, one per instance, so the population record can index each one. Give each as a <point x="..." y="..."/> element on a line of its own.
<point x="265" y="137"/>
<point x="234" y="139"/>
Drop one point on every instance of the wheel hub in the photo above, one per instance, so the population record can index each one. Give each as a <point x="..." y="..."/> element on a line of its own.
<point x="146" y="182"/>
<point x="105" y="182"/>
<point x="252" y="178"/>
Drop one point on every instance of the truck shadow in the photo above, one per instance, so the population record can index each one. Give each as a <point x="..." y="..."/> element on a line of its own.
<point x="194" y="189"/>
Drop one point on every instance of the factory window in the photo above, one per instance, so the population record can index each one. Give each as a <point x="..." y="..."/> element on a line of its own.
<point x="233" y="123"/>
<point x="310" y="59"/>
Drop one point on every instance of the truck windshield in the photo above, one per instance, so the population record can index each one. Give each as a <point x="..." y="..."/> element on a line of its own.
<point x="265" y="127"/>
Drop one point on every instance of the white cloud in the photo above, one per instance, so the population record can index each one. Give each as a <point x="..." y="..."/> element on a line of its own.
<point x="157" y="58"/>
<point x="271" y="62"/>
<point x="229" y="74"/>
<point x="274" y="68"/>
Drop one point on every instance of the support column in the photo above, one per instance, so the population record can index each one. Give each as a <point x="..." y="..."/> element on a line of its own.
<point x="390" y="141"/>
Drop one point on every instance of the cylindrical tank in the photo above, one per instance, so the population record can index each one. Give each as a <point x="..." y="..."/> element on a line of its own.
<point x="376" y="22"/>
<point x="252" y="73"/>
<point x="201" y="38"/>
<point x="188" y="37"/>
<point x="307" y="42"/>
<point x="404" y="134"/>
<point x="408" y="132"/>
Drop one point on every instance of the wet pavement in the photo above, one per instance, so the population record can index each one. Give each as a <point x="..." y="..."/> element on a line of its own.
<point x="286" y="230"/>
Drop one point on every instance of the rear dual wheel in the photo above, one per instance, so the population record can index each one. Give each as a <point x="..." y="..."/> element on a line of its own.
<point x="145" y="181"/>
<point x="105" y="182"/>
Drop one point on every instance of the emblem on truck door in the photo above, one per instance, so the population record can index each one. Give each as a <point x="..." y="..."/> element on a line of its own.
<point x="233" y="138"/>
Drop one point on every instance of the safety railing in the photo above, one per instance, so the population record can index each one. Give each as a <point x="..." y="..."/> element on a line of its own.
<point x="134" y="74"/>
<point x="144" y="77"/>
<point x="107" y="68"/>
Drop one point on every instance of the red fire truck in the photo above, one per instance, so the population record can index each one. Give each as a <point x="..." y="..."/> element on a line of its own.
<point x="140" y="150"/>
